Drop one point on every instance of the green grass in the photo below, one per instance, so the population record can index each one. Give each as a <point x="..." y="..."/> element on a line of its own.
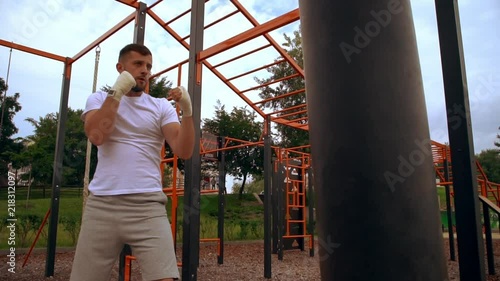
<point x="242" y="220"/>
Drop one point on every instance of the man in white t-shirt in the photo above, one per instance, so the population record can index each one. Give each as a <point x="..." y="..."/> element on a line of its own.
<point x="126" y="204"/>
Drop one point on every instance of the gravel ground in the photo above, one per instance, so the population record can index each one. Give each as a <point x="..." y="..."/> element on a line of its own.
<point x="242" y="261"/>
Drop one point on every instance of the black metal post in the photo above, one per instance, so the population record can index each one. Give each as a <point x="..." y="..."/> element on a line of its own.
<point x="281" y="196"/>
<point x="222" y="186"/>
<point x="449" y="211"/>
<point x="489" y="240"/>
<point x="191" y="219"/>
<point x="370" y="142"/>
<point x="267" y="197"/>
<point x="140" y="23"/>
<point x="274" y="201"/>
<point x="310" y="201"/>
<point x="139" y="31"/>
<point x="58" y="171"/>
<point x="467" y="215"/>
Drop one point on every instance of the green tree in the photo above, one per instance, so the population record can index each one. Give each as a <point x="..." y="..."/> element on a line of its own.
<point x="287" y="136"/>
<point x="41" y="149"/>
<point x="240" y="124"/>
<point x="490" y="162"/>
<point x="497" y="143"/>
<point x="9" y="146"/>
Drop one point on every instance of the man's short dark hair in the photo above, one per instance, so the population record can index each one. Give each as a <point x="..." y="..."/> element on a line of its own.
<point x="141" y="49"/>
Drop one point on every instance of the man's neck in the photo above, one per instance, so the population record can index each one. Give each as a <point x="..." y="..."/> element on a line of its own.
<point x="134" y="94"/>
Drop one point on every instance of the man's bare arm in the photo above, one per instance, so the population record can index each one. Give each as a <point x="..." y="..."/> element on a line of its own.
<point x="180" y="137"/>
<point x="100" y="123"/>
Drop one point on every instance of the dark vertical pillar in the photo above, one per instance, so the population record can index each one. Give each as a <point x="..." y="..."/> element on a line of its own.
<point x="489" y="239"/>
<point x="140" y="23"/>
<point x="449" y="211"/>
<point x="222" y="186"/>
<point x="267" y="197"/>
<point x="276" y="169"/>
<point x="281" y="196"/>
<point x="139" y="31"/>
<point x="310" y="201"/>
<point x="369" y="135"/>
<point x="469" y="237"/>
<point x="58" y="171"/>
<point x="191" y="218"/>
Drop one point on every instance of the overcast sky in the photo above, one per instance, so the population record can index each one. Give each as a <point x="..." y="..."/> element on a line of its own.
<point x="66" y="27"/>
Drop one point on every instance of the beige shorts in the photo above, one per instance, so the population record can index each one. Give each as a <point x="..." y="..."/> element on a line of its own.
<point x="109" y="222"/>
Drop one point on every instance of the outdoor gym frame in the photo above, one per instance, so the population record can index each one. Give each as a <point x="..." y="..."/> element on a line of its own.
<point x="319" y="21"/>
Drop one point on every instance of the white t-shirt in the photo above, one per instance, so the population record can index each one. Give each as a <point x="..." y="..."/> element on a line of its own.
<point x="129" y="162"/>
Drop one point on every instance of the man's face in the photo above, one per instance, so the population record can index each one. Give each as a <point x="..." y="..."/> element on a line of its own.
<point x="139" y="66"/>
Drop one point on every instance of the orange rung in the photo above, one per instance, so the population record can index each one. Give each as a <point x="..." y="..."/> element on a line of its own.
<point x="213" y="240"/>
<point x="128" y="267"/>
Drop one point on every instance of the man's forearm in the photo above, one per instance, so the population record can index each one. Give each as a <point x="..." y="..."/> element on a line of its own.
<point x="100" y="124"/>
<point x="185" y="139"/>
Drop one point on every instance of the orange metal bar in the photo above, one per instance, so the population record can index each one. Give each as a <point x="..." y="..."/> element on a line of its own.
<point x="208" y="65"/>
<point x="486" y="182"/>
<point x="32" y="50"/>
<point x="154" y="4"/>
<point x="221" y="19"/>
<point x="131" y="3"/>
<point x="281" y="96"/>
<point x="304" y="127"/>
<point x="128" y="267"/>
<point x="255" y="70"/>
<point x="295" y="120"/>
<point x="213" y="240"/>
<point x="290" y="114"/>
<point x="250" y="34"/>
<point x="444" y="183"/>
<point x="103" y="37"/>
<point x="242" y="55"/>
<point x="299" y="147"/>
<point x="167" y="28"/>
<point x="180" y="16"/>
<point x="271" y="82"/>
<point x="234" y="146"/>
<point x="214" y="22"/>
<point x="232" y="87"/>
<point x="283" y="53"/>
<point x="36" y="237"/>
<point x="177" y="65"/>
<point x="288" y="109"/>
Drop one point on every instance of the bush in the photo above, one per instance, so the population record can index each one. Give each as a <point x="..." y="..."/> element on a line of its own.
<point x="72" y="226"/>
<point x="26" y="227"/>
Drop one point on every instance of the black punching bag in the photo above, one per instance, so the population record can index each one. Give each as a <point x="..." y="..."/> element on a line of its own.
<point x="377" y="207"/>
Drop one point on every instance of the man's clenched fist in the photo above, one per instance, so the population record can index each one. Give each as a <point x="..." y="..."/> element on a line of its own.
<point x="181" y="97"/>
<point x="124" y="83"/>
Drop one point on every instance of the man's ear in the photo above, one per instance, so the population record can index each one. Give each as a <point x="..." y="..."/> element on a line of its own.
<point x="119" y="67"/>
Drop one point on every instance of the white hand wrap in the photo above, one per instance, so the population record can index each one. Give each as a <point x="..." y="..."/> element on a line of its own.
<point x="123" y="85"/>
<point x="185" y="103"/>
